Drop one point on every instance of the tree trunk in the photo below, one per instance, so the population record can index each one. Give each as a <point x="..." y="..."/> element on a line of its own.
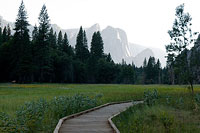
<point x="191" y="85"/>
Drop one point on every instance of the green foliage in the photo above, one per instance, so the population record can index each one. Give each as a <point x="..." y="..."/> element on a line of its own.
<point x="197" y="98"/>
<point x="152" y="71"/>
<point x="42" y="115"/>
<point x="21" y="49"/>
<point x="180" y="102"/>
<point x="167" y="120"/>
<point x="0" y="36"/>
<point x="60" y="40"/>
<point x="179" y="114"/>
<point x="126" y="74"/>
<point x="81" y="48"/>
<point x="181" y="37"/>
<point x="52" y="39"/>
<point x="7" y="124"/>
<point x="15" y="95"/>
<point x="150" y="97"/>
<point x="43" y="62"/>
<point x="168" y="99"/>
<point x="4" y="35"/>
<point x="97" y="46"/>
<point x="105" y="71"/>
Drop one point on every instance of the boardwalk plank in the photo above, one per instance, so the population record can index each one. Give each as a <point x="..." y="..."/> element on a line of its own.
<point x="93" y="122"/>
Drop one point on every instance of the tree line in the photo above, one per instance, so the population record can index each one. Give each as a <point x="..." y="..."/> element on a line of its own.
<point x="45" y="56"/>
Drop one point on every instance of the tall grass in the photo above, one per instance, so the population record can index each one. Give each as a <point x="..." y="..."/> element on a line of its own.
<point x="164" y="113"/>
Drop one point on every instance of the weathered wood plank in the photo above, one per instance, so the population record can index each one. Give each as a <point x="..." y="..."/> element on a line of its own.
<point x="95" y="121"/>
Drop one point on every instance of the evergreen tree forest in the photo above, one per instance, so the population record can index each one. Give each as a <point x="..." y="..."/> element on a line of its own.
<point x="46" y="56"/>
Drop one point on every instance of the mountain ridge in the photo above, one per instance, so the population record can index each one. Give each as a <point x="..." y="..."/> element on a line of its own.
<point x="115" y="42"/>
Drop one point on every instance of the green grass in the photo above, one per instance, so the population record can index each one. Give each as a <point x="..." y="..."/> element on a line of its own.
<point x="172" y="112"/>
<point x="157" y="119"/>
<point x="12" y="96"/>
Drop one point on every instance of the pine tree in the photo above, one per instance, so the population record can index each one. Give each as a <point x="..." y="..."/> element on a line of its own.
<point x="52" y="39"/>
<point x="158" y="71"/>
<point x="97" y="45"/>
<point x="8" y="32"/>
<point x="65" y="43"/>
<point x="109" y="58"/>
<point x="55" y="39"/>
<point x="60" y="40"/>
<point x="44" y="25"/>
<point x="66" y="47"/>
<point x="43" y="55"/>
<point x="21" y="56"/>
<point x="79" y="44"/>
<point x="4" y="35"/>
<point x="144" y="71"/>
<point x="81" y="48"/>
<point x="85" y="44"/>
<point x="151" y="71"/>
<point x="145" y="62"/>
<point x="65" y="63"/>
<point x="35" y="33"/>
<point x="0" y="36"/>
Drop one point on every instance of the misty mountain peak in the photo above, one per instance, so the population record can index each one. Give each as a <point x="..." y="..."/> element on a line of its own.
<point x="95" y="27"/>
<point x="115" y="42"/>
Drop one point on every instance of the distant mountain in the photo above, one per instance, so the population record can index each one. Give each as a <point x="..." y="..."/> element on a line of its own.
<point x="115" y="42"/>
<point x="139" y="58"/>
<point x="4" y="23"/>
<point x="160" y="54"/>
<point x="135" y="49"/>
<point x="72" y="33"/>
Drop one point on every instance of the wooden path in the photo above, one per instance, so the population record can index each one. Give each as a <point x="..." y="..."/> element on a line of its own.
<point x="95" y="121"/>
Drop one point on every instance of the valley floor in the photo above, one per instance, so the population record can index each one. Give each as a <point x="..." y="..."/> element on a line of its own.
<point x="13" y="96"/>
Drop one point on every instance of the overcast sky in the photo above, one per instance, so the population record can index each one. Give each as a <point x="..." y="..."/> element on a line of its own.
<point x="146" y="22"/>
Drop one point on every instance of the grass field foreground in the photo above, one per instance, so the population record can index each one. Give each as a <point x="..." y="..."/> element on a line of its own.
<point x="162" y="113"/>
<point x="14" y="96"/>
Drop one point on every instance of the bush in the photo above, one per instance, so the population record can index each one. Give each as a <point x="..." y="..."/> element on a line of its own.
<point x="167" y="120"/>
<point x="150" y="97"/>
<point x="7" y="124"/>
<point x="197" y="98"/>
<point x="42" y="115"/>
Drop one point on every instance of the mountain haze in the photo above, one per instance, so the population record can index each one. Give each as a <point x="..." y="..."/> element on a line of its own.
<point x="115" y="42"/>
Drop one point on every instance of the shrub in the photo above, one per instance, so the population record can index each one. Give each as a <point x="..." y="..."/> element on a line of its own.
<point x="180" y="102"/>
<point x="197" y="98"/>
<point x="167" y="120"/>
<point x="7" y="124"/>
<point x="150" y="97"/>
<point x="42" y="115"/>
<point x="168" y="99"/>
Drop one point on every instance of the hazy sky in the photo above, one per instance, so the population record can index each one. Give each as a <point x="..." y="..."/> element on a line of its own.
<point x="146" y="22"/>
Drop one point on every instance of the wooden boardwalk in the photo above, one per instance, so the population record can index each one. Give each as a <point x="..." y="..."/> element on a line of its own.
<point x="95" y="121"/>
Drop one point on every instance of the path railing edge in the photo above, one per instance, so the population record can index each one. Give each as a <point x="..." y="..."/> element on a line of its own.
<point x="56" y="130"/>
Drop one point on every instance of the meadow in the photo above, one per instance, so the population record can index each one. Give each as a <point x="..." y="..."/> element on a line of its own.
<point x="161" y="112"/>
<point x="13" y="96"/>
